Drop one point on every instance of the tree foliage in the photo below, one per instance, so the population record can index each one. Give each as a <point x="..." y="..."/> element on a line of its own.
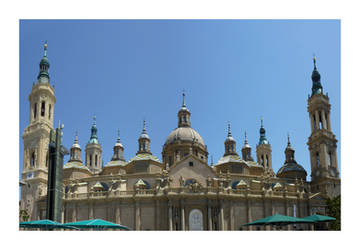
<point x="334" y="210"/>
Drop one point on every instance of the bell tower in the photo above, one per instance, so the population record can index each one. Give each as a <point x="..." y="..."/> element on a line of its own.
<point x="263" y="152"/>
<point x="322" y="142"/>
<point x="36" y="140"/>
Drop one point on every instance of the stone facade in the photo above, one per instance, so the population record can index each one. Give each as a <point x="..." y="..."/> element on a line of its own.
<point x="183" y="192"/>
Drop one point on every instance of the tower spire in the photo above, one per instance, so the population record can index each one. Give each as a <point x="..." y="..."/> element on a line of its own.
<point x="316" y="87"/>
<point x="45" y="48"/>
<point x="76" y="141"/>
<point x="94" y="137"/>
<point x="43" y="76"/>
<point x="229" y="130"/>
<point x="263" y="139"/>
<point x="118" y="138"/>
<point x="183" y="100"/>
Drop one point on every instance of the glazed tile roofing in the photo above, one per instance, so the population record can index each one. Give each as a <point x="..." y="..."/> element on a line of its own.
<point x="142" y="157"/>
<point x="75" y="164"/>
<point x="115" y="163"/>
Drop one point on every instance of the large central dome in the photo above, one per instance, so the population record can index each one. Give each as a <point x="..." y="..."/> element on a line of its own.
<point x="184" y="134"/>
<point x="183" y="140"/>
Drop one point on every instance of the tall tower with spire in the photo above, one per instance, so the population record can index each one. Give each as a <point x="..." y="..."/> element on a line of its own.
<point x="144" y="141"/>
<point x="322" y="142"/>
<point x="36" y="139"/>
<point x="263" y="152"/>
<point x="75" y="150"/>
<point x="118" y="150"/>
<point x="93" y="151"/>
<point x="246" y="151"/>
<point x="230" y="144"/>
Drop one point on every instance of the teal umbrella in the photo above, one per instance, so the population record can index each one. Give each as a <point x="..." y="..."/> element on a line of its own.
<point x="44" y="224"/>
<point x="96" y="223"/>
<point x="320" y="218"/>
<point x="278" y="219"/>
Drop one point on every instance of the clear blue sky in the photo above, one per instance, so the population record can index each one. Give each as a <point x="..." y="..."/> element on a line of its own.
<point x="232" y="70"/>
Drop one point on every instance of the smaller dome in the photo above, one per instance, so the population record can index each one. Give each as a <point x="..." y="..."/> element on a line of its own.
<point x="144" y="136"/>
<point x="118" y="144"/>
<point x="44" y="60"/>
<point x="75" y="145"/>
<point x="291" y="169"/>
<point x="230" y="139"/>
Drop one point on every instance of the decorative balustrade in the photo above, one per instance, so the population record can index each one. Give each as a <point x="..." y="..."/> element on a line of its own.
<point x="181" y="190"/>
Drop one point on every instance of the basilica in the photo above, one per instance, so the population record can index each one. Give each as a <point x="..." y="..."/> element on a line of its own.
<point x="180" y="191"/>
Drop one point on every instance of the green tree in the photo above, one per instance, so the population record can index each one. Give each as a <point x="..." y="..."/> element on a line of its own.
<point x="334" y="210"/>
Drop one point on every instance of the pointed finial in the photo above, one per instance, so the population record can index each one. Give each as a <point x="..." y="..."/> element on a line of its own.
<point x="45" y="48"/>
<point x="118" y="139"/>
<point x="288" y="136"/>
<point x="183" y="102"/>
<point x="76" y="137"/>
<point x="261" y="119"/>
<point x="212" y="162"/>
<point x="314" y="60"/>
<point x="144" y="126"/>
<point x="59" y="124"/>
<point x="229" y="130"/>
<point x="94" y="118"/>
<point x="246" y="142"/>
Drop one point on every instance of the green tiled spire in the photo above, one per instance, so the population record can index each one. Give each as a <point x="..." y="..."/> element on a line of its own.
<point x="263" y="139"/>
<point x="44" y="67"/>
<point x="316" y="87"/>
<point x="94" y="138"/>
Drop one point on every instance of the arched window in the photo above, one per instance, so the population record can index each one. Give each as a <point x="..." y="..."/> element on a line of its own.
<point x="267" y="160"/>
<point x="262" y="161"/>
<point x="314" y="122"/>
<point x="43" y="108"/>
<point x="184" y="118"/>
<point x="90" y="160"/>
<point x="32" y="159"/>
<point x="49" y="111"/>
<point x="232" y="147"/>
<point x="317" y="159"/>
<point x="35" y="110"/>
<point x="330" y="158"/>
<point x="96" y="160"/>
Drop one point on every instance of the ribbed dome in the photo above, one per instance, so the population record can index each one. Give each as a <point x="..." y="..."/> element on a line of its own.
<point x="184" y="134"/>
<point x="291" y="167"/>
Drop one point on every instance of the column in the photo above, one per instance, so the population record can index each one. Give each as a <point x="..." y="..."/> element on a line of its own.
<point x="209" y="216"/>
<point x="182" y="215"/>
<point x="317" y="120"/>
<point x="232" y="221"/>
<point x="323" y="119"/>
<point x="117" y="214"/>
<point x="222" y="216"/>
<point x="63" y="214"/>
<point x="73" y="216"/>
<point x="170" y="216"/>
<point x="248" y="207"/>
<point x="91" y="215"/>
<point x="157" y="209"/>
<point x="312" y="123"/>
<point x="328" y="121"/>
<point x="137" y="216"/>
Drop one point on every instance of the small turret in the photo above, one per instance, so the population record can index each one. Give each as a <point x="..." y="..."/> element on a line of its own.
<point x="144" y="141"/>
<point x="246" y="151"/>
<point x="230" y="143"/>
<point x="118" y="150"/>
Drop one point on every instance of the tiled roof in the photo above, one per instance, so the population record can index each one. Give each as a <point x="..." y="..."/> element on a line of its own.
<point x="116" y="163"/>
<point x="142" y="157"/>
<point x="75" y="164"/>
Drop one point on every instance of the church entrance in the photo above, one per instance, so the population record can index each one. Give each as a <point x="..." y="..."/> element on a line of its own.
<point x="196" y="220"/>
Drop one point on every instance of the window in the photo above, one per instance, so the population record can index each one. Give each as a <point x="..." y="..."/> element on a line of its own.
<point x="90" y="159"/>
<point x="49" y="111"/>
<point x="262" y="160"/>
<point x="170" y="161"/>
<point x="191" y="164"/>
<point x="96" y="160"/>
<point x="32" y="159"/>
<point x="267" y="160"/>
<point x="330" y="159"/>
<point x="314" y="122"/>
<point x="35" y="110"/>
<point x="317" y="158"/>
<point x="42" y="108"/>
